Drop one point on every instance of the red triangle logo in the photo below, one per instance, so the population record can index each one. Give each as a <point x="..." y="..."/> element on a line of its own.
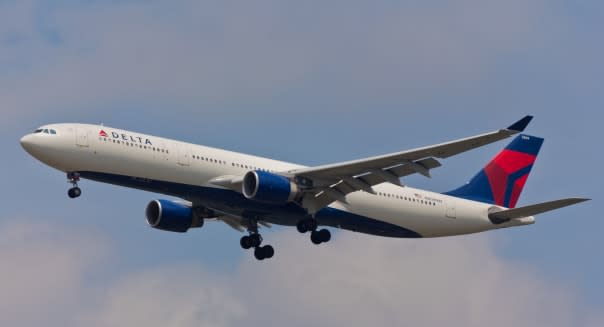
<point x="102" y="133"/>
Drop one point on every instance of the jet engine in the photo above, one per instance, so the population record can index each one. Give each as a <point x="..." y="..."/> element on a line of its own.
<point x="270" y="188"/>
<point x="172" y="216"/>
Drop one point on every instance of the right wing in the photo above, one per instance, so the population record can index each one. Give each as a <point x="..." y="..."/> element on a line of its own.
<point x="326" y="184"/>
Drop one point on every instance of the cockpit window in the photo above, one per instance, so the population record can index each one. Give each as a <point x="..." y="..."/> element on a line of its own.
<point x="46" y="131"/>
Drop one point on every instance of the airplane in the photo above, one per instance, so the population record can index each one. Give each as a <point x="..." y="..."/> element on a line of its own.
<point x="248" y="192"/>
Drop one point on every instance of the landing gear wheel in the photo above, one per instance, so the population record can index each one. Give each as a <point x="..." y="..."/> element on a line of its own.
<point x="73" y="179"/>
<point x="268" y="250"/>
<point x="264" y="252"/>
<point x="306" y="225"/>
<point x="315" y="237"/>
<point x="246" y="242"/>
<point x="256" y="240"/>
<point x="74" y="192"/>
<point x="324" y="235"/>
<point x="320" y="236"/>
<point x="259" y="253"/>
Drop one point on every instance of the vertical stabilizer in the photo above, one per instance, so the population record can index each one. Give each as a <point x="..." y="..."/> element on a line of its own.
<point x="503" y="179"/>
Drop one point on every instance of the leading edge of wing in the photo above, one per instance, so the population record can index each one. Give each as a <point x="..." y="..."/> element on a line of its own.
<point x="442" y="150"/>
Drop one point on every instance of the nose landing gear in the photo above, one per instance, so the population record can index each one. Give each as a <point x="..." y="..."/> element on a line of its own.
<point x="73" y="179"/>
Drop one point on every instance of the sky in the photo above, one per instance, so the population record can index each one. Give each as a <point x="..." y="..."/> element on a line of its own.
<point x="312" y="82"/>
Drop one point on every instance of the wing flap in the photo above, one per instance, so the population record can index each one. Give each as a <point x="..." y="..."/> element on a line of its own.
<point x="534" y="209"/>
<point x="421" y="166"/>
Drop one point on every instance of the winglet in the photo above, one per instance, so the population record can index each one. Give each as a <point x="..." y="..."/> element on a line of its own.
<point x="520" y="125"/>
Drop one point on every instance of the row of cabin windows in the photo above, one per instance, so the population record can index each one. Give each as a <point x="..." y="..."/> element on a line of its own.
<point x="234" y="164"/>
<point x="220" y="162"/>
<point x="45" y="131"/>
<point x="135" y="145"/>
<point x="406" y="198"/>
<point x="145" y="147"/>
<point x="251" y="167"/>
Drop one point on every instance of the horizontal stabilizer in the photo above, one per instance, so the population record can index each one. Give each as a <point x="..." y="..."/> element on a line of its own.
<point x="534" y="209"/>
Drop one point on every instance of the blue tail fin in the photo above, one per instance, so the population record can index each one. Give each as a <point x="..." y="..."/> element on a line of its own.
<point x="501" y="181"/>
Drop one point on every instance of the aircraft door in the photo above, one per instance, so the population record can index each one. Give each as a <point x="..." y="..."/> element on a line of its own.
<point x="184" y="156"/>
<point x="163" y="155"/>
<point x="451" y="212"/>
<point x="82" y="137"/>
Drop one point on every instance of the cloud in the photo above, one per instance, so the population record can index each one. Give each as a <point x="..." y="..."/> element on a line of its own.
<point x="42" y="271"/>
<point x="182" y="295"/>
<point x="354" y="281"/>
<point x="361" y="280"/>
<point x="213" y="55"/>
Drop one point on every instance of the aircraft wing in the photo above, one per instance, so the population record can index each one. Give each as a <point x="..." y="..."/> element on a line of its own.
<point x="325" y="184"/>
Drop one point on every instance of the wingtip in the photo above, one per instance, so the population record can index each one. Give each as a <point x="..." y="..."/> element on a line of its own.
<point x="578" y="200"/>
<point x="521" y="125"/>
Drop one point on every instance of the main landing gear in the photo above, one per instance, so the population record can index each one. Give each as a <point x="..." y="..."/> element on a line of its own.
<point x="73" y="179"/>
<point x="316" y="236"/>
<point x="254" y="240"/>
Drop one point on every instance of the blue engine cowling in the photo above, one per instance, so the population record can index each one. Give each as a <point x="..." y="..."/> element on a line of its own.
<point x="171" y="216"/>
<point x="266" y="187"/>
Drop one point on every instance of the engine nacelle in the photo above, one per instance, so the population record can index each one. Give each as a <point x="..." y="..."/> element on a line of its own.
<point x="171" y="216"/>
<point x="266" y="187"/>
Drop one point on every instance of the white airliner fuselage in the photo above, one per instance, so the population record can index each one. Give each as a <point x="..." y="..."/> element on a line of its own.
<point x="194" y="173"/>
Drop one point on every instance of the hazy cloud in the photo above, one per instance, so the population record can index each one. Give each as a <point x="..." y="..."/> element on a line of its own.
<point x="208" y="55"/>
<point x="362" y="280"/>
<point x="42" y="272"/>
<point x="354" y="281"/>
<point x="167" y="296"/>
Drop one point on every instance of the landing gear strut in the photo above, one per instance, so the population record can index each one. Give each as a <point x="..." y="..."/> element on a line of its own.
<point x="254" y="240"/>
<point x="316" y="236"/>
<point x="73" y="179"/>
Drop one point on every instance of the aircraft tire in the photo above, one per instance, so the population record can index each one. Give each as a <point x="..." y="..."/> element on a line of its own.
<point x="245" y="242"/>
<point x="255" y="240"/>
<point x="74" y="192"/>
<point x="324" y="235"/>
<point x="315" y="237"/>
<point x="268" y="250"/>
<point x="259" y="253"/>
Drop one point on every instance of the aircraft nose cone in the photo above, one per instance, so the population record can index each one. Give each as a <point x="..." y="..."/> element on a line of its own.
<point x="27" y="143"/>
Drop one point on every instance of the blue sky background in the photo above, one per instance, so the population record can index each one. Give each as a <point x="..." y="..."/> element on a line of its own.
<point x="311" y="82"/>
